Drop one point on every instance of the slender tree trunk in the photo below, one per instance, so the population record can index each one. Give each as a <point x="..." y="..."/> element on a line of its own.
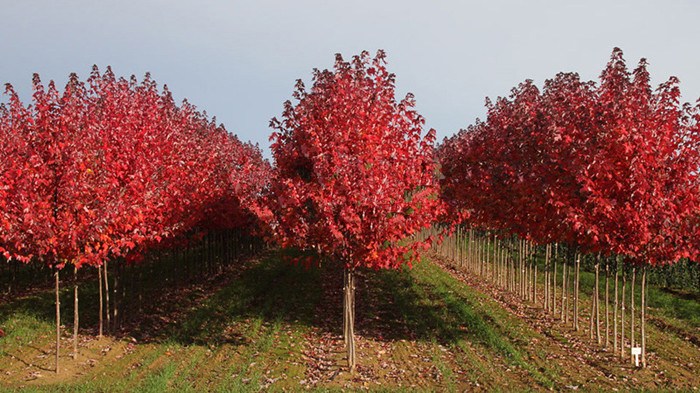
<point x="569" y="289"/>
<point x="504" y="271"/>
<point x="632" y="342"/>
<point x="345" y="306"/>
<point x="521" y="267"/>
<point x="350" y="314"/>
<point x="500" y="264"/>
<point x="643" y="322"/>
<point x="470" y="246"/>
<point x="617" y="273"/>
<point x="530" y="262"/>
<point x="545" y="301"/>
<point x="622" y="315"/>
<point x="494" y="263"/>
<point x="534" y="281"/>
<point x="487" y="256"/>
<point x="528" y="272"/>
<point x="458" y="246"/>
<point x="58" y="319"/>
<point x="99" y="290"/>
<point x="455" y="236"/>
<point x="554" y="280"/>
<point x="512" y="266"/>
<point x="523" y="262"/>
<point x="576" y="289"/>
<point x="593" y="300"/>
<point x="564" y="288"/>
<point x="107" y="309"/>
<point x="533" y="273"/>
<point x="597" y="301"/>
<point x="480" y="254"/>
<point x="607" y="302"/>
<point x="76" y="317"/>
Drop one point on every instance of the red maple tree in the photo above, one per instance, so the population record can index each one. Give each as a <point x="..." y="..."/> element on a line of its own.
<point x="355" y="177"/>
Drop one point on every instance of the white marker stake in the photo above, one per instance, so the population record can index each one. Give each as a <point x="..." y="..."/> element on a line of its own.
<point x="636" y="352"/>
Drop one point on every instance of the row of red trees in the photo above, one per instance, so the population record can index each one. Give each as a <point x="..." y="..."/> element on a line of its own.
<point x="114" y="167"/>
<point x="608" y="168"/>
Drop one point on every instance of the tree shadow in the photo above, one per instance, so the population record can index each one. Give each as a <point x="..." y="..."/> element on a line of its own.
<point x="269" y="290"/>
<point x="28" y="364"/>
<point x="390" y="305"/>
<point x="682" y="293"/>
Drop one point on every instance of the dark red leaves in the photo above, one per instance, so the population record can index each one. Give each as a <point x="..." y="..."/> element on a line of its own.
<point x="112" y="167"/>
<point x="355" y="178"/>
<point x="608" y="168"/>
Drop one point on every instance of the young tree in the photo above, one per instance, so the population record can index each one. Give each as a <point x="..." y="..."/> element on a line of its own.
<point x="355" y="176"/>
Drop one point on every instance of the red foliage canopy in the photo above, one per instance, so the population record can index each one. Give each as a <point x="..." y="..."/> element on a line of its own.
<point x="610" y="169"/>
<point x="114" y="167"/>
<point x="354" y="175"/>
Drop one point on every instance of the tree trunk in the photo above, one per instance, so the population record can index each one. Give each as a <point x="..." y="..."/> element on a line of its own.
<point x="643" y="322"/>
<point x="99" y="289"/>
<point x="554" y="280"/>
<point x="505" y="256"/>
<point x="607" y="302"/>
<point x="593" y="300"/>
<point x="494" y="262"/>
<point x="458" y="245"/>
<point x="76" y="321"/>
<point x="108" y="314"/>
<point x="576" y="288"/>
<point x="350" y="315"/>
<point x="345" y="306"/>
<point x="545" y="301"/>
<point x="597" y="301"/>
<point x="528" y="271"/>
<point x="569" y="289"/>
<point x="533" y="273"/>
<point x="470" y="247"/>
<point x="58" y="320"/>
<point x="521" y="269"/>
<point x="622" y="316"/>
<point x="632" y="342"/>
<point x="534" y="280"/>
<point x="487" y="257"/>
<point x="617" y="273"/>
<point x="564" y="288"/>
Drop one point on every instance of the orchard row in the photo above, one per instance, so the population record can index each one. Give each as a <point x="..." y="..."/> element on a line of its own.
<point x="111" y="169"/>
<point x="608" y="169"/>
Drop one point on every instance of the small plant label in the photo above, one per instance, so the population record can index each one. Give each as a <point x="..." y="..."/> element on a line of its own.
<point x="636" y="351"/>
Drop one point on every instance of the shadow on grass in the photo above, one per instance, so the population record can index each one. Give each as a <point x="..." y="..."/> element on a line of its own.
<point x="398" y="306"/>
<point x="390" y="305"/>
<point x="270" y="290"/>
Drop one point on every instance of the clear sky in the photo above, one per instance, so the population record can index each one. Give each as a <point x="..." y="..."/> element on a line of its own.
<point x="238" y="60"/>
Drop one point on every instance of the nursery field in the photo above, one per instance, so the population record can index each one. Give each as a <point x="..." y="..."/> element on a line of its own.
<point x="268" y="325"/>
<point x="551" y="246"/>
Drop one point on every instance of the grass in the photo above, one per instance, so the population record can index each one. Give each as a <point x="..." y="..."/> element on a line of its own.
<point x="680" y="308"/>
<point x="486" y="324"/>
<point x="257" y="331"/>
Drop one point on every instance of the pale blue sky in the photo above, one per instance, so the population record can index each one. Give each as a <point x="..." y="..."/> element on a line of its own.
<point x="239" y="60"/>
